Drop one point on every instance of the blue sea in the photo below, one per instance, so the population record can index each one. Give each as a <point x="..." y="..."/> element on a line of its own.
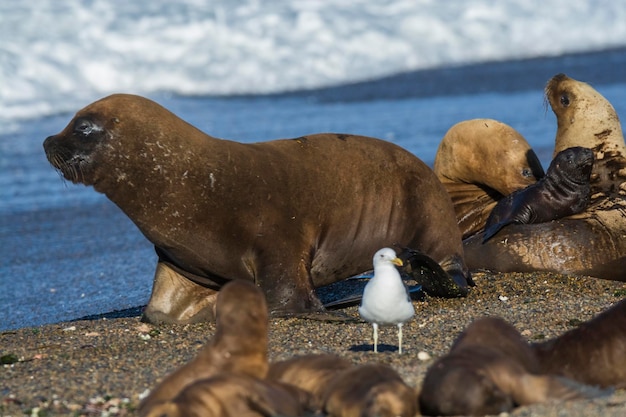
<point x="251" y="70"/>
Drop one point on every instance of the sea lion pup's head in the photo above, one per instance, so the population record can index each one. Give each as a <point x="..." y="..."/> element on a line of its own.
<point x="230" y="395"/>
<point x="593" y="353"/>
<point x="371" y="390"/>
<point x="311" y="373"/>
<point x="585" y="118"/>
<point x="490" y="369"/>
<point x="239" y="345"/>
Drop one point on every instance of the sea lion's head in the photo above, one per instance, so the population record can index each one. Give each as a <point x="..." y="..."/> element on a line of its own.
<point x="584" y="117"/>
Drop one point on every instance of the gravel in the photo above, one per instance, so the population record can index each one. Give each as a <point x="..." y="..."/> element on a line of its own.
<point x="102" y="366"/>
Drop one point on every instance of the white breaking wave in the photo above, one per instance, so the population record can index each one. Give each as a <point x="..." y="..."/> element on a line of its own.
<point x="58" y="55"/>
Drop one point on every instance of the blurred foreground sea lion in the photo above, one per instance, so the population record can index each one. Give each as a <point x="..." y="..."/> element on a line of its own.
<point x="289" y="215"/>
<point x="594" y="353"/>
<point x="591" y="242"/>
<point x="491" y="369"/>
<point x="238" y="347"/>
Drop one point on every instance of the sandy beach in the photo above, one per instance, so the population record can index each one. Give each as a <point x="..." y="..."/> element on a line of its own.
<point x="102" y="366"/>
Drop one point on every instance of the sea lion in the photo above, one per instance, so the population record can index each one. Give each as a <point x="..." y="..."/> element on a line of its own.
<point x="289" y="215"/>
<point x="480" y="161"/>
<point x="370" y="390"/>
<point x="594" y="353"/>
<point x="239" y="345"/>
<point x="311" y="373"/>
<point x="491" y="369"/>
<point x="565" y="190"/>
<point x="589" y="243"/>
<point x="231" y="395"/>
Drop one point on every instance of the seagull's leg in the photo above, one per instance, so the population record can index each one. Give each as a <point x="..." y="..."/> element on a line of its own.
<point x="399" y="338"/>
<point x="375" y="337"/>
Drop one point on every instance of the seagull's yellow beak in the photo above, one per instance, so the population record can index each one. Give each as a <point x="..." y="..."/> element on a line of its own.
<point x="396" y="261"/>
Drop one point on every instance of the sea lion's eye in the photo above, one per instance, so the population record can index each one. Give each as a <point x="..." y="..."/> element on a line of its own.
<point x="565" y="100"/>
<point x="85" y="127"/>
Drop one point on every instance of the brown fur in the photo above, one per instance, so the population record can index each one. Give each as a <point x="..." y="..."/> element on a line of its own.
<point x="289" y="215"/>
<point x="479" y="161"/>
<point x="239" y="345"/>
<point x="229" y="395"/>
<point x="591" y="242"/>
<point x="594" y="353"/>
<point x="371" y="390"/>
<point x="311" y="373"/>
<point x="490" y="369"/>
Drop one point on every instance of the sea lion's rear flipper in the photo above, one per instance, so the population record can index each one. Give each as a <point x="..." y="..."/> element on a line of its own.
<point x="432" y="277"/>
<point x="533" y="389"/>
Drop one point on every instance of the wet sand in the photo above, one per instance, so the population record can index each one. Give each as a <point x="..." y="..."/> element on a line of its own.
<point x="103" y="365"/>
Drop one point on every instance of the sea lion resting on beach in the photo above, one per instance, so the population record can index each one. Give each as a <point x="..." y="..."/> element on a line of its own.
<point x="565" y="190"/>
<point x="591" y="242"/>
<point x="479" y="162"/>
<point x="311" y="373"/>
<point x="344" y="390"/>
<point x="491" y="369"/>
<point x="231" y="395"/>
<point x="594" y="353"/>
<point x="238" y="347"/>
<point x="289" y="215"/>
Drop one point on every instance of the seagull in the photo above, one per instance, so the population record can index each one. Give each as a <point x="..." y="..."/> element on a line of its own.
<point x="385" y="297"/>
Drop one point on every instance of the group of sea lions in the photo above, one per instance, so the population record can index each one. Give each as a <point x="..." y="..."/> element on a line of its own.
<point x="292" y="215"/>
<point x="490" y="369"/>
<point x="231" y="375"/>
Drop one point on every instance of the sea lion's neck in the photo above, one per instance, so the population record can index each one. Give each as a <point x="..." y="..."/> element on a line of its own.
<point x="472" y="205"/>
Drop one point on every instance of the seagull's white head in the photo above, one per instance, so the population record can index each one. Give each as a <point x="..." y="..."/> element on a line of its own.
<point x="386" y="256"/>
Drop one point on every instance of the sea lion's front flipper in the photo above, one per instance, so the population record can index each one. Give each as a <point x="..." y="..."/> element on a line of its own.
<point x="432" y="277"/>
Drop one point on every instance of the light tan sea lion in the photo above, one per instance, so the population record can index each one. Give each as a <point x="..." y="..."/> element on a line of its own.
<point x="591" y="242"/>
<point x="239" y="345"/>
<point x="230" y="395"/>
<point x="289" y="215"/>
<point x="370" y="390"/>
<point x="491" y="369"/>
<point x="480" y="161"/>
<point x="311" y="373"/>
<point x="594" y="353"/>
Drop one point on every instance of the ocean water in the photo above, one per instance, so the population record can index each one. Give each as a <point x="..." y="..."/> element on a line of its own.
<point x="404" y="71"/>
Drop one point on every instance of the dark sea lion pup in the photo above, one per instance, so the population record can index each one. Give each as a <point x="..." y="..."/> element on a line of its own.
<point x="239" y="345"/>
<point x="565" y="190"/>
<point x="289" y="215"/>
<point x="491" y="369"/>
<point x="594" y="353"/>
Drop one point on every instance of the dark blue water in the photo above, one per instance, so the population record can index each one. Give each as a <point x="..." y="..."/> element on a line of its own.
<point x="67" y="252"/>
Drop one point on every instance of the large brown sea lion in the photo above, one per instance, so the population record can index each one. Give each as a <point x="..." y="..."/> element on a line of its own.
<point x="289" y="215"/>
<point x="239" y="346"/>
<point x="480" y="161"/>
<point x="491" y="369"/>
<point x="591" y="242"/>
<point x="594" y="353"/>
<point x="565" y="190"/>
